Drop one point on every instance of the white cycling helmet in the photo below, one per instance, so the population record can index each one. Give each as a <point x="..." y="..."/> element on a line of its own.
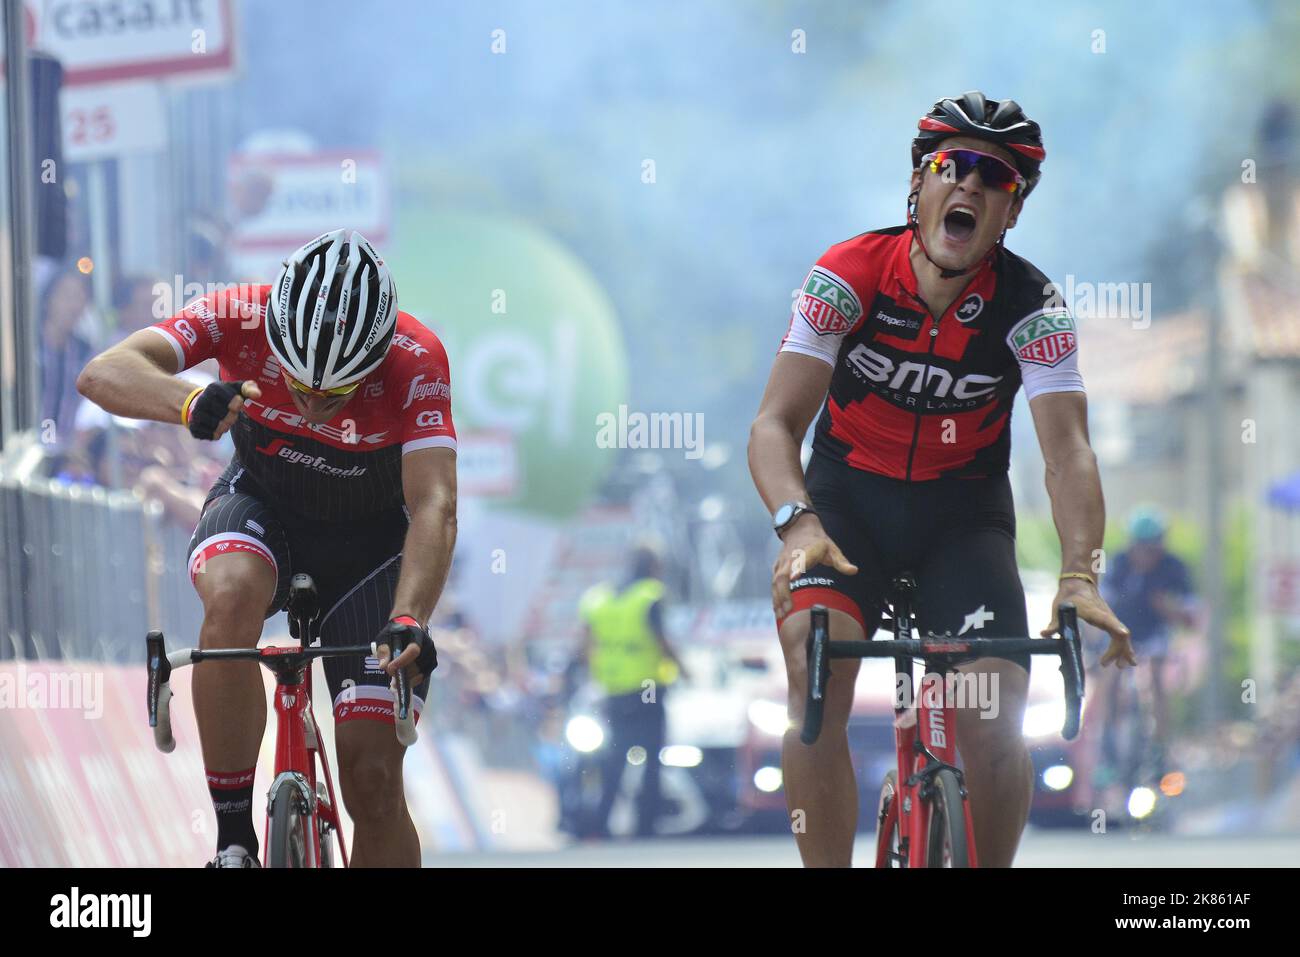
<point x="332" y="310"/>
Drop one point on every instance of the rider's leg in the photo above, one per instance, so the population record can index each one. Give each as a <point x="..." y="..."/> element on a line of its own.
<point x="1159" y="704"/>
<point x="821" y="792"/>
<point x="999" y="772"/>
<point x="236" y="589"/>
<point x="370" y="777"/>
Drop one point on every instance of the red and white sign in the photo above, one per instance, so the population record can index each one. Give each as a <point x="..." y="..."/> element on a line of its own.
<point x="290" y="198"/>
<point x="103" y="41"/>
<point x="112" y="119"/>
<point x="487" y="464"/>
<point x="1282" y="588"/>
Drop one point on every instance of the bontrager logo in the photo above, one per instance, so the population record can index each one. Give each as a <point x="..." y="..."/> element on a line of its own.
<point x="103" y="910"/>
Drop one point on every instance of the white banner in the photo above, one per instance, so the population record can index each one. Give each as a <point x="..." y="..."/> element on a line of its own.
<point x="101" y="41"/>
<point x="110" y="120"/>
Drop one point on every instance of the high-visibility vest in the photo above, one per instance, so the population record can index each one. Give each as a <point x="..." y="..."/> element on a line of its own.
<point x="624" y="650"/>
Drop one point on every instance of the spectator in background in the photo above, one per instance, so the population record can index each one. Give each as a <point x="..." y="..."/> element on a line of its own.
<point x="630" y="658"/>
<point x="65" y="348"/>
<point x="133" y="299"/>
<point x="1150" y="590"/>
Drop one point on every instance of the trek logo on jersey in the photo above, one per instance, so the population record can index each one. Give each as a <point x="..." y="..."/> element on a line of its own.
<point x="285" y="450"/>
<point x="403" y="341"/>
<point x="1044" y="337"/>
<point x="438" y="389"/>
<point x="294" y="420"/>
<point x="828" y="303"/>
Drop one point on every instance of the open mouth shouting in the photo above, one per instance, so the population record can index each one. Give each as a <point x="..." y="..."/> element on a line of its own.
<point x="959" y="224"/>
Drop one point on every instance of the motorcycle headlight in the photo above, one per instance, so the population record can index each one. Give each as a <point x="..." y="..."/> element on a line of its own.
<point x="584" y="733"/>
<point x="769" y="717"/>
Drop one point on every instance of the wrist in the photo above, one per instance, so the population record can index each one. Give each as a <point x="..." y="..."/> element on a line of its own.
<point x="805" y="521"/>
<point x="403" y="619"/>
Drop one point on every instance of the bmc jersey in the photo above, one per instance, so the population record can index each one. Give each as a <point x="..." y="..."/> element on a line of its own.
<point x="914" y="397"/>
<point x="348" y="468"/>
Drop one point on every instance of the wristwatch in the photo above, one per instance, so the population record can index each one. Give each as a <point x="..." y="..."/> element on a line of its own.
<point x="785" y="516"/>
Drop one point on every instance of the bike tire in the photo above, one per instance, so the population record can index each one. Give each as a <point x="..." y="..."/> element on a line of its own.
<point x="946" y="844"/>
<point x="888" y="839"/>
<point x="286" y="843"/>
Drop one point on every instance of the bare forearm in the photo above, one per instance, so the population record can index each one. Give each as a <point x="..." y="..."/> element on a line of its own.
<point x="774" y="463"/>
<point x="1078" y="508"/>
<point x="426" y="559"/>
<point x="129" y="384"/>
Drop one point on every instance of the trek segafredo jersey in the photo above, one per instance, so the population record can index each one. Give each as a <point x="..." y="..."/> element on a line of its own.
<point x="348" y="468"/>
<point x="917" y="398"/>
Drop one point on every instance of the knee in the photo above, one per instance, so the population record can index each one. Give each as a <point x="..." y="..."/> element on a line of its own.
<point x="234" y="600"/>
<point x="372" y="790"/>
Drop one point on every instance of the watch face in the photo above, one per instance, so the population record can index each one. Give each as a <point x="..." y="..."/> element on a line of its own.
<point x="783" y="515"/>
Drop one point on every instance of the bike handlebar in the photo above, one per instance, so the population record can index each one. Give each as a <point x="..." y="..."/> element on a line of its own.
<point x="820" y="650"/>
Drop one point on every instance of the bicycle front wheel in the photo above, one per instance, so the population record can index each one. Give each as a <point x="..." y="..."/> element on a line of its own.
<point x="947" y="833"/>
<point x="287" y="842"/>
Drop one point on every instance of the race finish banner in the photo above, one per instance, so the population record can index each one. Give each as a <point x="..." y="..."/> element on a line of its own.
<point x="108" y="41"/>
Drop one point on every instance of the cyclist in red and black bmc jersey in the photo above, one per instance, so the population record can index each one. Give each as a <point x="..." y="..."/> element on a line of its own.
<point x="912" y="341"/>
<point x="344" y="468"/>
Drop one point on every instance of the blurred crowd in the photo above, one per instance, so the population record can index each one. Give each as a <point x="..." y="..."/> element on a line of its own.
<point x="84" y="444"/>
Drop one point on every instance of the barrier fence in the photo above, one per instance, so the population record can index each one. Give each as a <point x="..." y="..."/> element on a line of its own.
<point x="87" y="572"/>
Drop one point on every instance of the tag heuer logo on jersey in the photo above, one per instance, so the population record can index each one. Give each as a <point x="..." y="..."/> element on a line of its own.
<point x="828" y="303"/>
<point x="1044" y="338"/>
<point x="971" y="307"/>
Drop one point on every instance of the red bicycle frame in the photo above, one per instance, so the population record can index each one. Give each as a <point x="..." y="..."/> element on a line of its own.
<point x="924" y="738"/>
<point x="297" y="748"/>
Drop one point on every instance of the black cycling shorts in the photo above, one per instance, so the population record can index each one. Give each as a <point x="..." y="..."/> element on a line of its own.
<point x="957" y="537"/>
<point x="353" y="564"/>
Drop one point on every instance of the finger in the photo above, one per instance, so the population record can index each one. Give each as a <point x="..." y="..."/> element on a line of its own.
<point x="235" y="404"/>
<point x="840" y="563"/>
<point x="408" y="655"/>
<point x="250" y="390"/>
<point x="781" y="591"/>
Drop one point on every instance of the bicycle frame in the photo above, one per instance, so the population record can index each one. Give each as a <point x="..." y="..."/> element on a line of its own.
<point x="925" y="736"/>
<point x="297" y="740"/>
<point x="297" y="748"/>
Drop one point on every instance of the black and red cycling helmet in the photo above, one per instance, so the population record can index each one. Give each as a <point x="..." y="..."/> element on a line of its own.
<point x="999" y="121"/>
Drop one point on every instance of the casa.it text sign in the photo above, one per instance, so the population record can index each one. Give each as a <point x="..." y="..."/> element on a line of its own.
<point x="102" y="41"/>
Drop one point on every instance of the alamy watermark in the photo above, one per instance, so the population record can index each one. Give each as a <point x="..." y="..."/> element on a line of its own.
<point x="977" y="690"/>
<point x="652" y="430"/>
<point x="1102" y="300"/>
<point x="53" y="690"/>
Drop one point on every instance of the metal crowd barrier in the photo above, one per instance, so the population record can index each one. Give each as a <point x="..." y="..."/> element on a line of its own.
<point x="88" y="571"/>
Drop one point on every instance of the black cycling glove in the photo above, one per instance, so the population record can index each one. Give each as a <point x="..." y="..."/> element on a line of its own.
<point x="409" y="631"/>
<point x="210" y="406"/>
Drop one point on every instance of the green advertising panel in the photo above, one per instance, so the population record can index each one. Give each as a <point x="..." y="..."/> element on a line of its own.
<point x="533" y="341"/>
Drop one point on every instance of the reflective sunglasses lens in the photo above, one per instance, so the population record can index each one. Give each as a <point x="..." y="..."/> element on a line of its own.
<point x="994" y="173"/>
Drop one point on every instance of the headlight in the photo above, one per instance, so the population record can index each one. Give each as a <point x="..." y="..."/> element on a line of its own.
<point x="1043" y="720"/>
<point x="767" y="779"/>
<point x="1058" y="777"/>
<point x="584" y="733"/>
<point x="769" y="717"/>
<point x="681" y="756"/>
<point x="1141" y="802"/>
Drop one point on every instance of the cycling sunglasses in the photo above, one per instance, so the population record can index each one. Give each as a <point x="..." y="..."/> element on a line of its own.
<point x="996" y="173"/>
<point x="335" y="393"/>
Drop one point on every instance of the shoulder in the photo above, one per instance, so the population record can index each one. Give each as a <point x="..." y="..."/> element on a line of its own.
<point x="845" y="275"/>
<point x="415" y="345"/>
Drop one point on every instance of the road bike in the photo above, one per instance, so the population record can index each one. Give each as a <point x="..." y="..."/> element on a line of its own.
<point x="923" y="817"/>
<point x="302" y="818"/>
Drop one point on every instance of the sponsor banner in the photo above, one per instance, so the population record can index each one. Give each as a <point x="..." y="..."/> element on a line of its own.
<point x="110" y="120"/>
<point x="104" y="41"/>
<point x="487" y="464"/>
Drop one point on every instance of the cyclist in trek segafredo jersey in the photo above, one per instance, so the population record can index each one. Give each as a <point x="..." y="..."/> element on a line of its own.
<point x="915" y="398"/>
<point x="332" y="472"/>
